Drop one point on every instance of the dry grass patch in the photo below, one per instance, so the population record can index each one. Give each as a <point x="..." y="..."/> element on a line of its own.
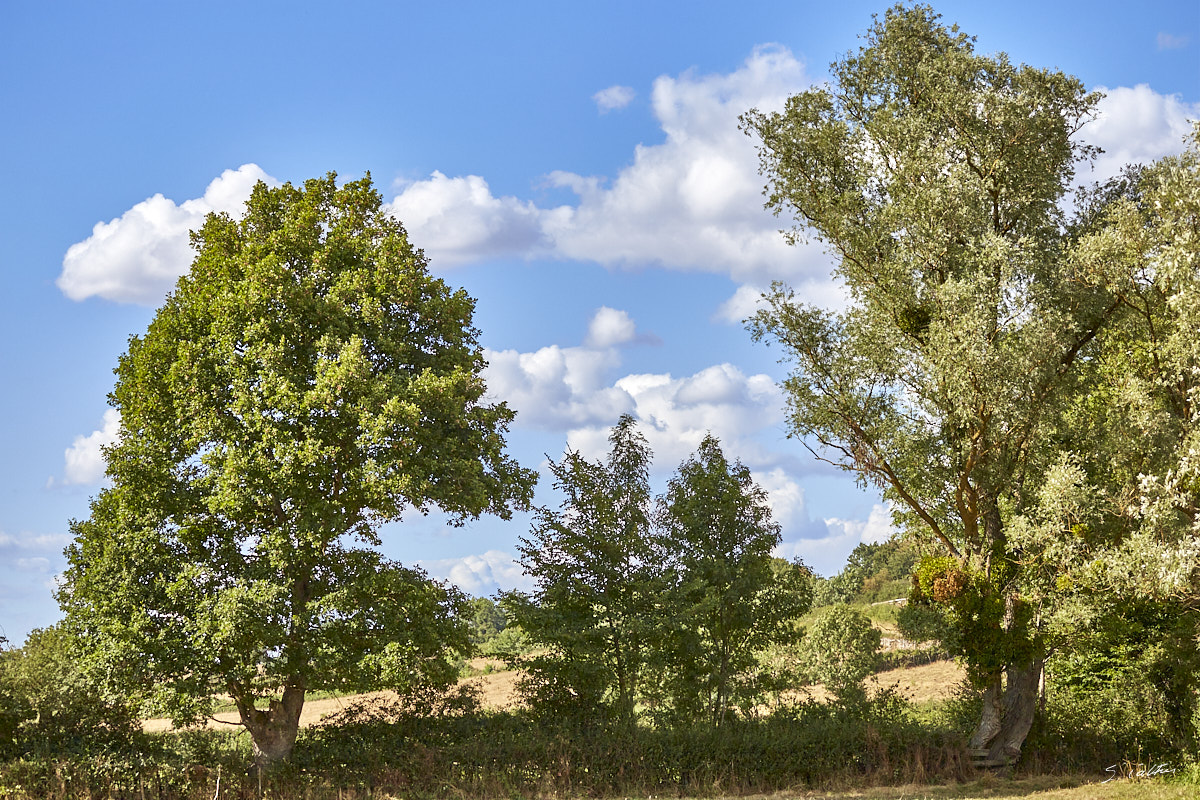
<point x="1042" y="787"/>
<point x="497" y="690"/>
<point x="926" y="683"/>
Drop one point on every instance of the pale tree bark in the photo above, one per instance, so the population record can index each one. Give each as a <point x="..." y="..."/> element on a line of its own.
<point x="273" y="730"/>
<point x="991" y="714"/>
<point x="1009" y="707"/>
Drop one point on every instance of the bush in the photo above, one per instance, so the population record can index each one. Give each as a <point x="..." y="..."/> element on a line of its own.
<point x="53" y="706"/>
<point x="840" y="650"/>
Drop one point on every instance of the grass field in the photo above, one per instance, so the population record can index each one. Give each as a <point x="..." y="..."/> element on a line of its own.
<point x="925" y="686"/>
<point x="1041" y="788"/>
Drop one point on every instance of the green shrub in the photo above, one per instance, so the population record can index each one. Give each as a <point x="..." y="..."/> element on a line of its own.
<point x="840" y="649"/>
<point x="57" y="707"/>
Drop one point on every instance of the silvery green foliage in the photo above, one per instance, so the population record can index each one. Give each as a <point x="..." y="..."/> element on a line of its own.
<point x="1120" y="511"/>
<point x="1006" y="374"/>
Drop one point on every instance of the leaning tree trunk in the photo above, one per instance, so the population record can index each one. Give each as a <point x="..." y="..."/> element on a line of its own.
<point x="1007" y="715"/>
<point x="273" y="730"/>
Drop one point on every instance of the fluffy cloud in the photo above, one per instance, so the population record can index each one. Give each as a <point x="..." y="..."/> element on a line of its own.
<point x="456" y="220"/>
<point x="613" y="98"/>
<point x="787" y="501"/>
<point x="556" y="388"/>
<point x="572" y="389"/>
<point x="876" y="528"/>
<point x="676" y="414"/>
<point x="481" y="575"/>
<point x="84" y="462"/>
<point x="742" y="304"/>
<point x="826" y="551"/>
<point x="609" y="328"/>
<point x="1136" y="125"/>
<point x="137" y="257"/>
<point x="692" y="202"/>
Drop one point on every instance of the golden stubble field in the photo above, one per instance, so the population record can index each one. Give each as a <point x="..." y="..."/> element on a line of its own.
<point x="497" y="688"/>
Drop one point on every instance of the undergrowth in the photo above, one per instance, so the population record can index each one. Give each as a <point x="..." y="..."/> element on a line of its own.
<point x="391" y="750"/>
<point x="384" y="751"/>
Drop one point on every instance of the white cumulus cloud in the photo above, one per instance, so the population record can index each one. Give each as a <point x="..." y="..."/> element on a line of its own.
<point x="556" y="388"/>
<point x="786" y="499"/>
<point x="482" y="574"/>
<point x="456" y="220"/>
<point x="742" y="304"/>
<point x="677" y="413"/>
<point x="613" y="98"/>
<point x="610" y="327"/>
<point x="83" y="460"/>
<point x="691" y="202"/>
<point x="876" y="528"/>
<point x="576" y="390"/>
<point x="137" y="257"/>
<point x="826" y="547"/>
<point x="1136" y="126"/>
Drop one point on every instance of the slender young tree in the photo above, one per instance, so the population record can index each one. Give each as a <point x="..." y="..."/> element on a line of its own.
<point x="593" y="616"/>
<point x="307" y="381"/>
<point x="934" y="175"/>
<point x="727" y="602"/>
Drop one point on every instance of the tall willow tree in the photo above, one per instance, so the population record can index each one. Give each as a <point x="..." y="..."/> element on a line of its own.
<point x="307" y="381"/>
<point x="934" y="176"/>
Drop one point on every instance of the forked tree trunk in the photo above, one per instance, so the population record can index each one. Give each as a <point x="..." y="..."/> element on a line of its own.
<point x="273" y="730"/>
<point x="1008" y="712"/>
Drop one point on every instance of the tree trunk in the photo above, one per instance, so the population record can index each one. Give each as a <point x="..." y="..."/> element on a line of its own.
<point x="274" y="730"/>
<point x="1007" y="714"/>
<point x="991" y="715"/>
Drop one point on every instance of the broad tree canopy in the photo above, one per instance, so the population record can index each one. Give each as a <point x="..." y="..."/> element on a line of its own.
<point x="308" y="381"/>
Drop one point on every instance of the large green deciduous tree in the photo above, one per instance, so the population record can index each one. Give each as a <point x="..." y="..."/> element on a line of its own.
<point x="934" y="176"/>
<point x="307" y="381"/>
<point x="726" y="600"/>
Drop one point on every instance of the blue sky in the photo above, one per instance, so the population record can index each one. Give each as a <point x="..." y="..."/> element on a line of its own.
<point x="575" y="166"/>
